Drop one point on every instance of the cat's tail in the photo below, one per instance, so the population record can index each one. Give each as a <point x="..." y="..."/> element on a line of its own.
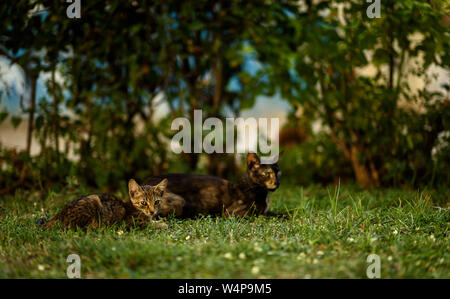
<point x="45" y="224"/>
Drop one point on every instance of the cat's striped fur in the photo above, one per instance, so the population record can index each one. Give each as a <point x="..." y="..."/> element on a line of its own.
<point x="95" y="210"/>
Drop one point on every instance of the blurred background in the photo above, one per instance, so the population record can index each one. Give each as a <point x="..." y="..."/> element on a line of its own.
<point x="91" y="99"/>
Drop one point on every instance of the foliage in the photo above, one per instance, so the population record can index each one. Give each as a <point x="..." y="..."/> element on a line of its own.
<point x="315" y="160"/>
<point x="110" y="71"/>
<point x="103" y="111"/>
<point x="384" y="129"/>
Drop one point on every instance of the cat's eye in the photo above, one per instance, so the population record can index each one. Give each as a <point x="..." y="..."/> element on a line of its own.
<point x="266" y="174"/>
<point x="143" y="203"/>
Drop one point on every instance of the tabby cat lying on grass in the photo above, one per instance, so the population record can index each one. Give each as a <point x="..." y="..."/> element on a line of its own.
<point x="192" y="195"/>
<point x="95" y="210"/>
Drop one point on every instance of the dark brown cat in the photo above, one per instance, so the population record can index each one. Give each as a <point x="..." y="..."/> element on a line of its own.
<point x="203" y="194"/>
<point x="105" y="209"/>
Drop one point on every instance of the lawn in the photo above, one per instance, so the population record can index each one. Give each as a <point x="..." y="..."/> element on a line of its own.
<point x="328" y="234"/>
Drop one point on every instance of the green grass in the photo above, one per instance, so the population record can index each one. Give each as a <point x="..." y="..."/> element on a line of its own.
<point x="329" y="234"/>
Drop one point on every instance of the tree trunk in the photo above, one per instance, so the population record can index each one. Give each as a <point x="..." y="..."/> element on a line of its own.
<point x="218" y="86"/>
<point x="31" y="114"/>
<point x="363" y="177"/>
<point x="55" y="114"/>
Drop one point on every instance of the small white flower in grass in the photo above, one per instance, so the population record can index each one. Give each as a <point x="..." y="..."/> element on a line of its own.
<point x="389" y="258"/>
<point x="242" y="256"/>
<point x="228" y="255"/>
<point x="255" y="270"/>
<point x="120" y="232"/>
<point x="315" y="261"/>
<point x="188" y="237"/>
<point x="350" y="239"/>
<point x="432" y="238"/>
<point x="301" y="256"/>
<point x="113" y="248"/>
<point x="320" y="253"/>
<point x="41" y="267"/>
<point x="395" y="232"/>
<point x="179" y="258"/>
<point x="373" y="239"/>
<point x="258" y="248"/>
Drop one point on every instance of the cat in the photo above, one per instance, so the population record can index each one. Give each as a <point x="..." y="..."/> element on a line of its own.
<point x="95" y="210"/>
<point x="204" y="194"/>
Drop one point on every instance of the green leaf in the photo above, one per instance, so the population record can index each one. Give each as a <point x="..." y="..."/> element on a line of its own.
<point x="247" y="103"/>
<point x="15" y="121"/>
<point x="3" y="115"/>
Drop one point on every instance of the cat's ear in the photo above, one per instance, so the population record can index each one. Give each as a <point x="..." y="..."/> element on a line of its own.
<point x="161" y="187"/>
<point x="253" y="161"/>
<point x="134" y="189"/>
